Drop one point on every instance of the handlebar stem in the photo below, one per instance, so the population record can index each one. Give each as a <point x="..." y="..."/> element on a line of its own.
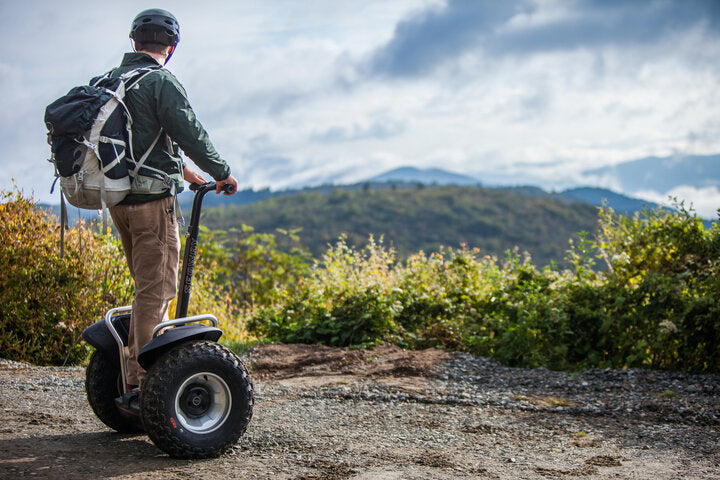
<point x="191" y="245"/>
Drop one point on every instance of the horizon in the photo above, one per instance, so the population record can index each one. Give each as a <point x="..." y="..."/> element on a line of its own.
<point x="460" y="180"/>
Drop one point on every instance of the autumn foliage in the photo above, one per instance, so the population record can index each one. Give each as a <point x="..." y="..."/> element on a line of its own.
<point x="47" y="300"/>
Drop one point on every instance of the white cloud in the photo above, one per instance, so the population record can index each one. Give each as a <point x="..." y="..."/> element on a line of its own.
<point x="705" y="201"/>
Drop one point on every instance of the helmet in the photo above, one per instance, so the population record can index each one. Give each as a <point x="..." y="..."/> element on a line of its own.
<point x="156" y="26"/>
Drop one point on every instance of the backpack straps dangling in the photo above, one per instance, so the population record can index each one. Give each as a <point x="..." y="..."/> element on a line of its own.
<point x="63" y="213"/>
<point x="63" y="223"/>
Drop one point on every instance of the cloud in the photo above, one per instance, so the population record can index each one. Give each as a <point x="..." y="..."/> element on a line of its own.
<point x="432" y="38"/>
<point x="705" y="201"/>
<point x="378" y="129"/>
<point x="597" y="23"/>
<point x="426" y="39"/>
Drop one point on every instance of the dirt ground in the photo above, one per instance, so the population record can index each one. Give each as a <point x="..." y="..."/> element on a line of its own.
<point x="385" y="413"/>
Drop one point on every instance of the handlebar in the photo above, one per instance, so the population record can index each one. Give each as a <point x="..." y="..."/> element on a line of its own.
<point x="227" y="188"/>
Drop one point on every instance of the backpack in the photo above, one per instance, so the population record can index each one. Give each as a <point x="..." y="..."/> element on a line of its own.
<point x="91" y="144"/>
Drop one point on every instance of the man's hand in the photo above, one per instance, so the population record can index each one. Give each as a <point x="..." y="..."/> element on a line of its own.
<point x="192" y="176"/>
<point x="230" y="180"/>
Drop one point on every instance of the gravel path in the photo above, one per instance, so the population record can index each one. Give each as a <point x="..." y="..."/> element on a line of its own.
<point x="388" y="414"/>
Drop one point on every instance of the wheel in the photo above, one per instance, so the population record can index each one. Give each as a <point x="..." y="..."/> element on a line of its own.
<point x="196" y="400"/>
<point x="103" y="383"/>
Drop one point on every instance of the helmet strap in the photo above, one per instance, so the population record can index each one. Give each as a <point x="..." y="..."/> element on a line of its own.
<point x="170" y="53"/>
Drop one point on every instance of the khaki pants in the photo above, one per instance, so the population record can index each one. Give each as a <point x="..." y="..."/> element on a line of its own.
<point x="149" y="235"/>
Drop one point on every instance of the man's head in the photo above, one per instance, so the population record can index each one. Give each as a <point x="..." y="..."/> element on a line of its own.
<point x="155" y="31"/>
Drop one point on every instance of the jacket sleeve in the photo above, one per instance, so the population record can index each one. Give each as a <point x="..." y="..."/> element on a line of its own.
<point x="177" y="118"/>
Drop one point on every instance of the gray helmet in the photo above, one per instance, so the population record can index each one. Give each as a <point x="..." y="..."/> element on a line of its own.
<point x="156" y="26"/>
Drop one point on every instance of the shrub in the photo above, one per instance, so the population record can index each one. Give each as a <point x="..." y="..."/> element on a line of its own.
<point x="655" y="305"/>
<point x="345" y="300"/>
<point x="239" y="270"/>
<point x="209" y="292"/>
<point x="46" y="301"/>
<point x="662" y="274"/>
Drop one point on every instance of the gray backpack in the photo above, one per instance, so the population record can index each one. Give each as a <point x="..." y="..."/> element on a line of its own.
<point x="91" y="144"/>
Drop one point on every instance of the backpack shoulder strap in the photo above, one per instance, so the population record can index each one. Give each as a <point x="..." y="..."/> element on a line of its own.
<point x="94" y="81"/>
<point x="133" y="77"/>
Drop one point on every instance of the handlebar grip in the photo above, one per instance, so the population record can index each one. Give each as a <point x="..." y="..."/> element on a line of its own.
<point x="227" y="188"/>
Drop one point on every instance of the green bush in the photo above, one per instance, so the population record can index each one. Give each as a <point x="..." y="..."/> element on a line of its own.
<point x="663" y="270"/>
<point x="238" y="270"/>
<point x="46" y="301"/>
<point x="655" y="305"/>
<point x="346" y="301"/>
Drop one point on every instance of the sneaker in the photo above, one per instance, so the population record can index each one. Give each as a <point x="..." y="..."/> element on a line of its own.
<point x="129" y="402"/>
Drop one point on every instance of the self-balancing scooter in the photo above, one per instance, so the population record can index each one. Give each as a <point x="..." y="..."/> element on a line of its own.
<point x="197" y="397"/>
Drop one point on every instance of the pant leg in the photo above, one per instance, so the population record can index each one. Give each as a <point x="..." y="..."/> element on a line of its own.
<point x="151" y="242"/>
<point x="119" y="215"/>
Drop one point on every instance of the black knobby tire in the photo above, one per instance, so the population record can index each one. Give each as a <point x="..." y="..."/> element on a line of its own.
<point x="197" y="400"/>
<point x="103" y="383"/>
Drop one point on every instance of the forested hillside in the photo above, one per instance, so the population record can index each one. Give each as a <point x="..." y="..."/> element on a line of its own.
<point x="420" y="218"/>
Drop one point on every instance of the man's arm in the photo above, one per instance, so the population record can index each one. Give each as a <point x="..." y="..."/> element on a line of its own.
<point x="178" y="119"/>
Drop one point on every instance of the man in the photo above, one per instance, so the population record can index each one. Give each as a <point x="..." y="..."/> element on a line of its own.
<point x="145" y="219"/>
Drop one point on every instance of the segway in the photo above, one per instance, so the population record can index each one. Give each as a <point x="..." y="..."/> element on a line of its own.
<point x="197" y="397"/>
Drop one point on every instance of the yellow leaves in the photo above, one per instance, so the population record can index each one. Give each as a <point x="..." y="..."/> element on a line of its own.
<point x="55" y="298"/>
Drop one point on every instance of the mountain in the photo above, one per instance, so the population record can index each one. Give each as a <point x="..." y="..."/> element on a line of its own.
<point x="426" y="176"/>
<point x="588" y="195"/>
<point x="418" y="218"/>
<point x="662" y="174"/>
<point x="600" y="196"/>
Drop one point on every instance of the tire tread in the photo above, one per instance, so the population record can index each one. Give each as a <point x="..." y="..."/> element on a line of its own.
<point x="101" y="377"/>
<point x="157" y="391"/>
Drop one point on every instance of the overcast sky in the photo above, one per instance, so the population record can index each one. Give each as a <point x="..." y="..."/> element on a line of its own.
<point x="298" y="92"/>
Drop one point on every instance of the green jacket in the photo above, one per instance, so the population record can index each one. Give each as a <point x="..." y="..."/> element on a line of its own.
<point x="159" y="101"/>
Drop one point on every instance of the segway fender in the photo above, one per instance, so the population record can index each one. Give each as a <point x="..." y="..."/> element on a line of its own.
<point x="175" y="336"/>
<point x="100" y="337"/>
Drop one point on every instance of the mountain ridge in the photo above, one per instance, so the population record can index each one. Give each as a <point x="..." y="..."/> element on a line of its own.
<point x="662" y="174"/>
<point x="588" y="195"/>
<point x="426" y="176"/>
<point x="658" y="174"/>
<point x="420" y="218"/>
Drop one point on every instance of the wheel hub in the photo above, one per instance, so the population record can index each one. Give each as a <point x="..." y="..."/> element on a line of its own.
<point x="195" y="401"/>
<point x="203" y="403"/>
